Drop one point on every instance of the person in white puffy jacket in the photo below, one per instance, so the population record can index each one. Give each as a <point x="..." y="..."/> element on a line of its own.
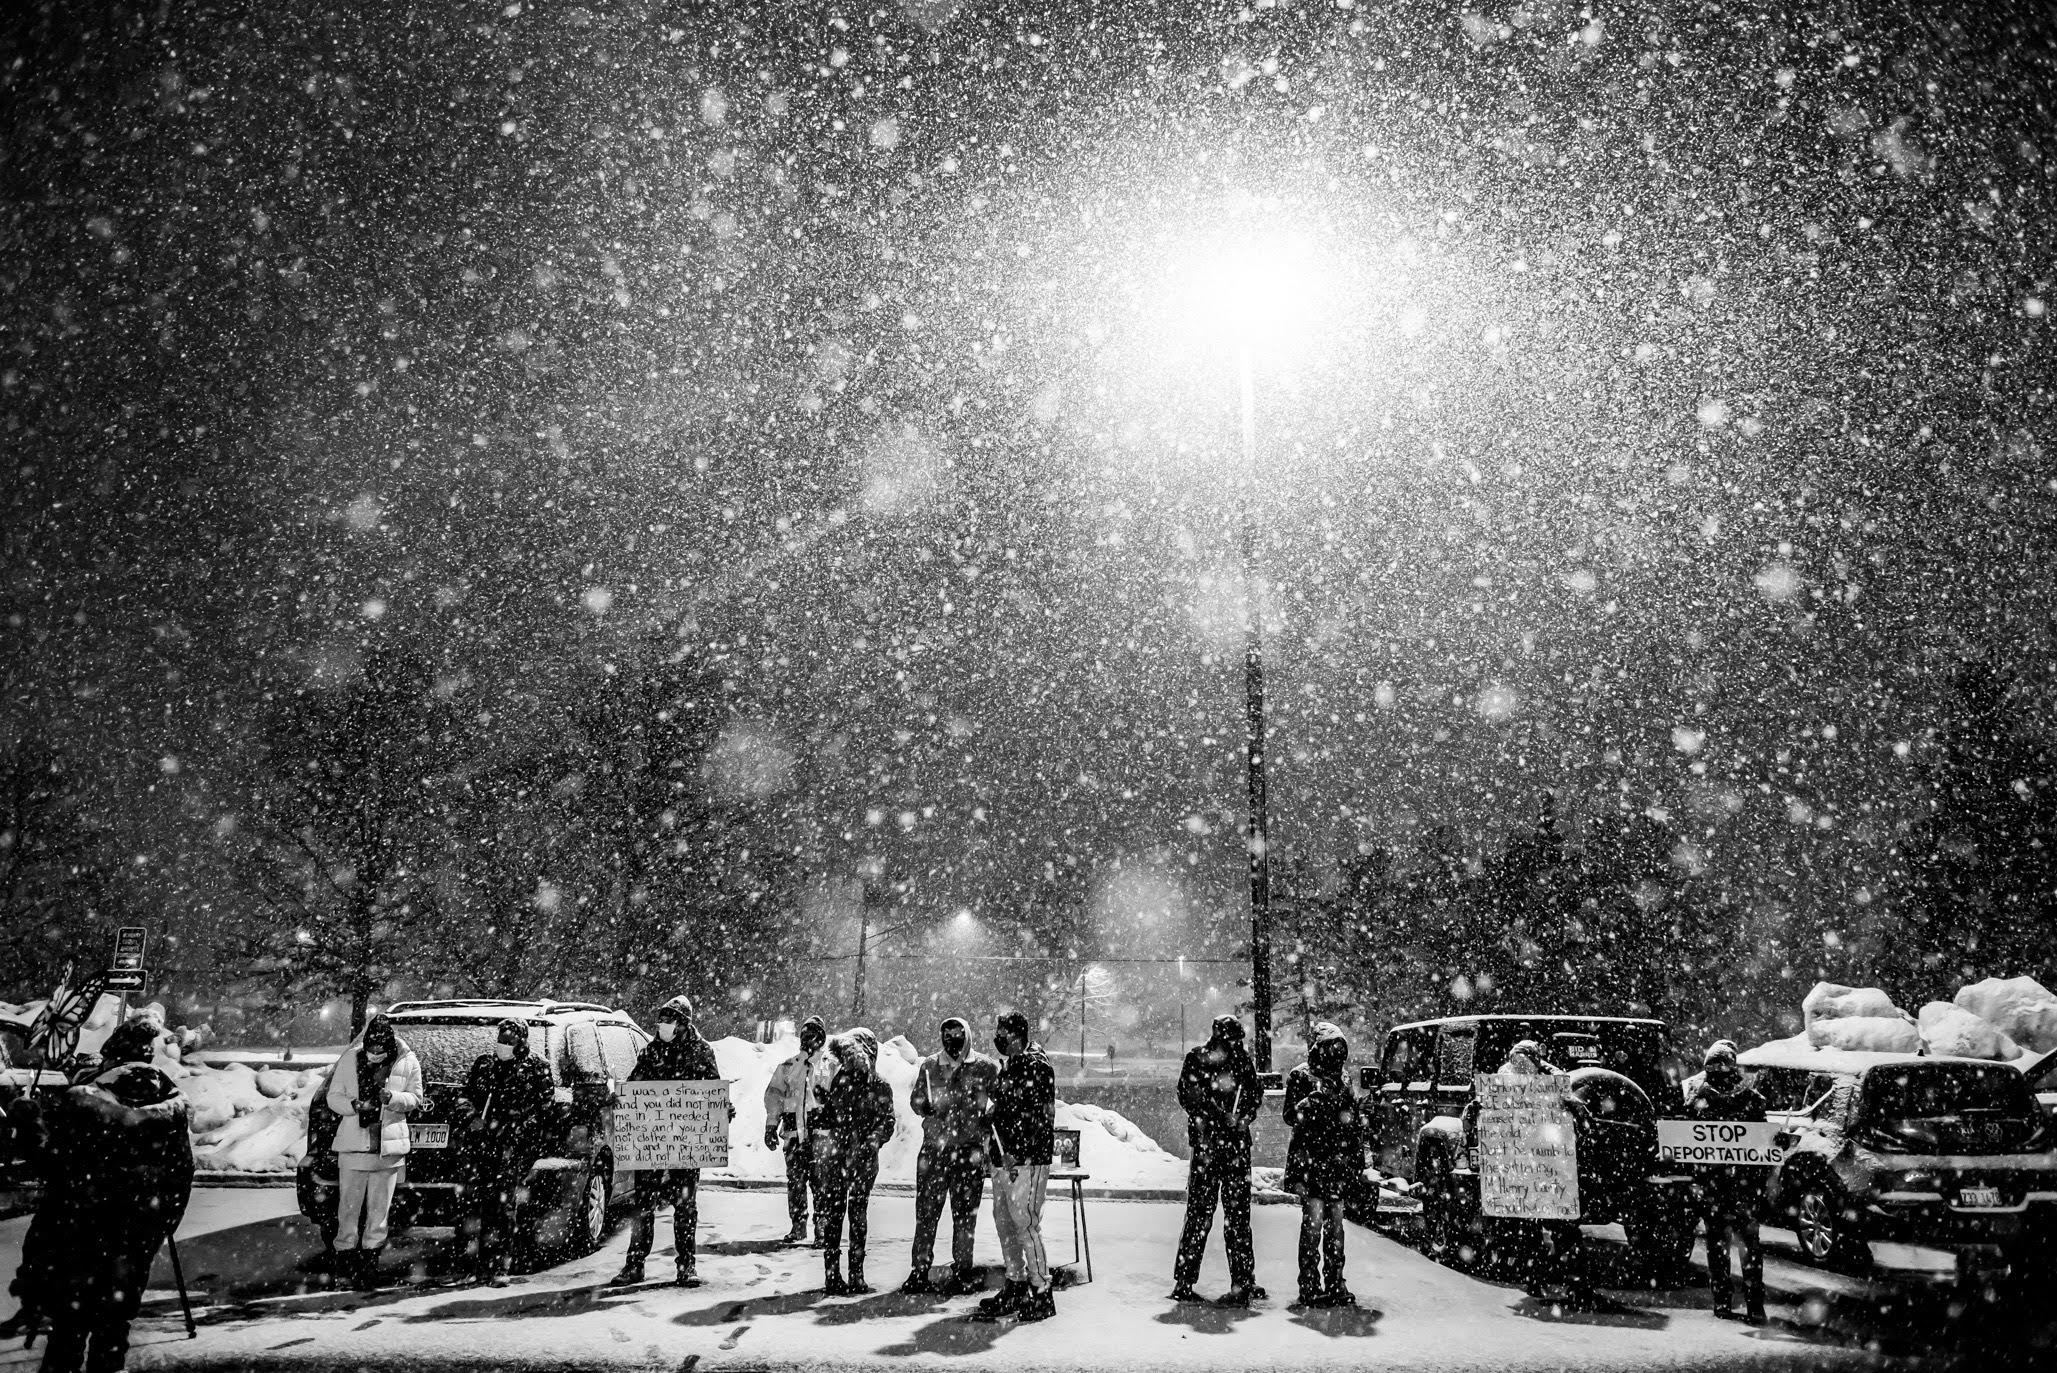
<point x="376" y="1086"/>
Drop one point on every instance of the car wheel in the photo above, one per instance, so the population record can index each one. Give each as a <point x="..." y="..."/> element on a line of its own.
<point x="588" y="1229"/>
<point x="1450" y="1231"/>
<point x="1821" y="1226"/>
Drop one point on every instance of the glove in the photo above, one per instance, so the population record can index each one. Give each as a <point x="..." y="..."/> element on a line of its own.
<point x="771" y="1135"/>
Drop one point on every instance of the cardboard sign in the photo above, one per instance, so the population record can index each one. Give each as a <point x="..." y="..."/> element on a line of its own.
<point x="1527" y="1148"/>
<point x="1748" y="1144"/>
<point x="672" y="1125"/>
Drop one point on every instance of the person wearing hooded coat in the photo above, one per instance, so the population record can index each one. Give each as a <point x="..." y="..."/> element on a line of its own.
<point x="950" y="1094"/>
<point x="118" y="1162"/>
<point x="1730" y="1196"/>
<point x="788" y="1109"/>
<point x="1024" y="1142"/>
<point x="1323" y="1160"/>
<point x="1221" y="1094"/>
<point x="1548" y="1251"/>
<point x="853" y="1119"/>
<point x="510" y="1095"/>
<point x="376" y="1086"/>
<point x="678" y="1054"/>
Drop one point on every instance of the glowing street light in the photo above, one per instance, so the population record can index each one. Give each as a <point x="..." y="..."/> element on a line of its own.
<point x="1251" y="293"/>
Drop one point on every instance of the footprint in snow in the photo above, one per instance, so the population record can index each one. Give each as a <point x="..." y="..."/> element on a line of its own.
<point x="620" y="1336"/>
<point x="734" y="1336"/>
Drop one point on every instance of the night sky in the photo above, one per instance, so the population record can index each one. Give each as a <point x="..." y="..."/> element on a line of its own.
<point x="1669" y="416"/>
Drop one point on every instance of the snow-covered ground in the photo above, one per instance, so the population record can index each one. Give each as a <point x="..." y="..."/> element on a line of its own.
<point x="247" y="1258"/>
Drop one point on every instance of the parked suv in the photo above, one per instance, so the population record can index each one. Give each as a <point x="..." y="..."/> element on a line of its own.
<point x="1622" y="1070"/>
<point x="590" y="1050"/>
<point x="1948" y="1153"/>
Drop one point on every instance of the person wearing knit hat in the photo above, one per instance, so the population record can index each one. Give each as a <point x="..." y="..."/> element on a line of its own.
<point x="1730" y="1196"/>
<point x="1221" y="1094"/>
<point x="510" y="1095"/>
<point x="788" y="1109"/>
<point x="1024" y="1137"/>
<point x="677" y="1054"/>
<point x="950" y="1094"/>
<point x="376" y="1086"/>
<point x="852" y="1122"/>
<point x="118" y="1172"/>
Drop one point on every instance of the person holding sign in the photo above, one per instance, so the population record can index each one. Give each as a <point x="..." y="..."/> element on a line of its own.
<point x="851" y="1124"/>
<point x="376" y="1086"/>
<point x="1323" y="1161"/>
<point x="1551" y="1250"/>
<point x="510" y="1094"/>
<point x="678" y="1054"/>
<point x="949" y="1095"/>
<point x="1729" y="1195"/>
<point x="788" y="1107"/>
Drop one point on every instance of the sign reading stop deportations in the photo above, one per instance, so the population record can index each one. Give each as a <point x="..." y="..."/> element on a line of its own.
<point x="1527" y="1148"/>
<point x="672" y="1125"/>
<point x="1747" y="1143"/>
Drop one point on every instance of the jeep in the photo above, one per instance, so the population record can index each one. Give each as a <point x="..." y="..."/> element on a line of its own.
<point x="590" y="1050"/>
<point x="1622" y="1070"/>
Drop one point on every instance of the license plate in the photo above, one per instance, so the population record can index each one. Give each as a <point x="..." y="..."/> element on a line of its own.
<point x="429" y="1136"/>
<point x="1978" y="1196"/>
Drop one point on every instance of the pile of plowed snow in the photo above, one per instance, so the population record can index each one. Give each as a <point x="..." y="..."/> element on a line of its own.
<point x="1111" y="1148"/>
<point x="255" y="1121"/>
<point x="2003" y="1019"/>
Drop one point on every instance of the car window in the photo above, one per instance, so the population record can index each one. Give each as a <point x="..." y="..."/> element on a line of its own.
<point x="1780" y="1088"/>
<point x="1948" y="1107"/>
<point x="1421" y="1059"/>
<point x="583" y="1059"/>
<point x="1399" y="1064"/>
<point x="1454" y="1058"/>
<point x="1818" y="1100"/>
<point x="447" y="1049"/>
<point x="619" y="1047"/>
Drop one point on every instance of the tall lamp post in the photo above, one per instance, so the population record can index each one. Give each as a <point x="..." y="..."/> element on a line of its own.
<point x="1257" y="825"/>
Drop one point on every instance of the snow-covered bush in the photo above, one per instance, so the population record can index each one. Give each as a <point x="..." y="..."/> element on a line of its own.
<point x="1951" y="1031"/>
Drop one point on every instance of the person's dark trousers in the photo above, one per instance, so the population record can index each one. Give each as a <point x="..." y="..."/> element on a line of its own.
<point x="1220" y="1173"/>
<point x="494" y="1181"/>
<point x="681" y="1187"/>
<point x="945" y="1175"/>
<point x="96" y="1340"/>
<point x="799" y="1180"/>
<point x="1321" y="1248"/>
<point x="847" y="1193"/>
<point x="1555" y="1252"/>
<point x="1741" y="1229"/>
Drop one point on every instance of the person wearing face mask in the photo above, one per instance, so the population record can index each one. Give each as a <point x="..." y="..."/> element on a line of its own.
<point x="853" y="1119"/>
<point x="377" y="1085"/>
<point x="950" y="1095"/>
<point x="1023" y="1121"/>
<point x="678" y="1054"/>
<point x="1549" y="1253"/>
<point x="118" y="1168"/>
<point x="1730" y="1196"/>
<point x="510" y="1096"/>
<point x="788" y="1112"/>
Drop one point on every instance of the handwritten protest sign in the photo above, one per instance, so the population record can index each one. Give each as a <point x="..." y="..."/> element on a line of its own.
<point x="1527" y="1148"/>
<point x="1748" y="1144"/>
<point x="672" y="1125"/>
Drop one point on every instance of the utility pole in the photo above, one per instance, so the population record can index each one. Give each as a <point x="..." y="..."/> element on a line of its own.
<point x="1257" y="832"/>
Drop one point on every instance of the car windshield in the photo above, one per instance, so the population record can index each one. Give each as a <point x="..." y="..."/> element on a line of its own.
<point x="447" y="1049"/>
<point x="1636" y="1051"/>
<point x="1950" y="1107"/>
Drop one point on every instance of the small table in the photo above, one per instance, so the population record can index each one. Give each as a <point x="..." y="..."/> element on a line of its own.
<point x="1064" y="1160"/>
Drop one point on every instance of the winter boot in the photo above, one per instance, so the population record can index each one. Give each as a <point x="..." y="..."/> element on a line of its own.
<point x="832" y="1284"/>
<point x="688" y="1274"/>
<point x="1310" y="1299"/>
<point x="796" y="1235"/>
<point x="1039" y="1306"/>
<point x="962" y="1282"/>
<point x="1339" y="1295"/>
<point x="1237" y="1298"/>
<point x="1184" y="1295"/>
<point x="917" y="1283"/>
<point x="368" y="1275"/>
<point x="1005" y="1302"/>
<point x="858" y="1286"/>
<point x="630" y="1275"/>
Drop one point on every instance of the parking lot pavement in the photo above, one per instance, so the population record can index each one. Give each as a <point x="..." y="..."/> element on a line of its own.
<point x="251" y="1260"/>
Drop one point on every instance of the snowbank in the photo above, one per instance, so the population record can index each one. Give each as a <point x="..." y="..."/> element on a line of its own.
<point x="1833" y="1001"/>
<point x="1111" y="1147"/>
<point x="245" y="1121"/>
<point x="1870" y="1033"/>
<point x="1948" y="1029"/>
<point x="2019" y="1007"/>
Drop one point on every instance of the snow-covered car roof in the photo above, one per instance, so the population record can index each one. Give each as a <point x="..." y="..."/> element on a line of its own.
<point x="1847" y="1062"/>
<point x="1539" y="1019"/>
